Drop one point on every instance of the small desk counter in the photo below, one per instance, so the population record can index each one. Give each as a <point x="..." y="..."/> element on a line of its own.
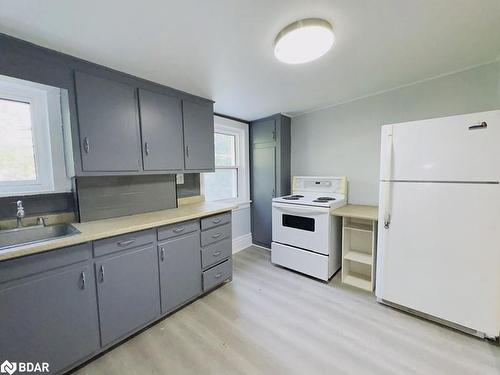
<point x="359" y="242"/>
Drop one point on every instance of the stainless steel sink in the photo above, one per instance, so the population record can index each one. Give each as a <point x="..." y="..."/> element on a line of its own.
<point x="38" y="233"/>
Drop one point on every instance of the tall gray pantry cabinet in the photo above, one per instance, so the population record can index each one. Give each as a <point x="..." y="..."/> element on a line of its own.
<point x="269" y="171"/>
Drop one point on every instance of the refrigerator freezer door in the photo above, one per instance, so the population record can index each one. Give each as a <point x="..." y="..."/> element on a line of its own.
<point x="457" y="148"/>
<point x="441" y="253"/>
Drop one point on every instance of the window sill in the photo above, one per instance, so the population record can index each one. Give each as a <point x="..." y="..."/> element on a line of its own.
<point x="242" y="204"/>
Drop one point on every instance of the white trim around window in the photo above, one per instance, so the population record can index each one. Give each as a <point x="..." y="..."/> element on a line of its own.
<point x="47" y="133"/>
<point x="240" y="131"/>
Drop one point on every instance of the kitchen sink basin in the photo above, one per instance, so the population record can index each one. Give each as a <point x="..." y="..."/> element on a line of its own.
<point x="38" y="233"/>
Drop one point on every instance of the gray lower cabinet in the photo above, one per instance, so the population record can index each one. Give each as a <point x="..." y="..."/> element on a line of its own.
<point x="50" y="317"/>
<point x="217" y="275"/>
<point x="180" y="270"/>
<point x="269" y="172"/>
<point x="108" y="125"/>
<point x="128" y="292"/>
<point x="66" y="305"/>
<point x="198" y="136"/>
<point x="161" y="128"/>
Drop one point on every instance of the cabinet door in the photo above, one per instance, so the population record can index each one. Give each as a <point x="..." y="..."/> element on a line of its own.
<point x="128" y="292"/>
<point x="263" y="131"/>
<point x="108" y="125"/>
<point x="198" y="136"/>
<point x="50" y="318"/>
<point x="161" y="127"/>
<point x="263" y="190"/>
<point x="180" y="271"/>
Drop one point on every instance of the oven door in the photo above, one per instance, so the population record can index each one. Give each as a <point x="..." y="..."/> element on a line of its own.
<point x="302" y="226"/>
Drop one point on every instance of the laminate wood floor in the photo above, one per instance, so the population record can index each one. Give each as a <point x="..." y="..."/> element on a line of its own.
<point x="273" y="321"/>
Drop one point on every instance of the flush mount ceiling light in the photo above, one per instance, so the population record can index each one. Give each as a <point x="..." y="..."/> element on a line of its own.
<point x="304" y="41"/>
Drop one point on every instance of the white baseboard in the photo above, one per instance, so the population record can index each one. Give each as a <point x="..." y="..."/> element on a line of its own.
<point x="242" y="242"/>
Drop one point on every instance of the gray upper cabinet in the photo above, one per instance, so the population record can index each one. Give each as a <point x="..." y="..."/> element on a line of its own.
<point x="198" y="136"/>
<point x="269" y="172"/>
<point x="161" y="127"/>
<point x="264" y="131"/>
<point x="180" y="270"/>
<point x="108" y="125"/>
<point x="50" y="317"/>
<point x="128" y="292"/>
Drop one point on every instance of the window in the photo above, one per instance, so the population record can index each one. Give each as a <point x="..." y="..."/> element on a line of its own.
<point x="31" y="140"/>
<point x="230" y="180"/>
<point x="17" y="155"/>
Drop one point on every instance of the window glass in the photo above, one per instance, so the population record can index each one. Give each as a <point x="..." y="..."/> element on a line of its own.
<point x="225" y="151"/>
<point x="221" y="184"/>
<point x="17" y="156"/>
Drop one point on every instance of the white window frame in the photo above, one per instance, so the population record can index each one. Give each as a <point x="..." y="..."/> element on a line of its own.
<point x="47" y="133"/>
<point x="240" y="131"/>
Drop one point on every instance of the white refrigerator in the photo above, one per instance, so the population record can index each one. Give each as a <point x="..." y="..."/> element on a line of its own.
<point x="438" y="252"/>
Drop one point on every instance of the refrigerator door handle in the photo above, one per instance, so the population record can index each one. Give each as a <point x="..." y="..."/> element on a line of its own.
<point x="388" y="184"/>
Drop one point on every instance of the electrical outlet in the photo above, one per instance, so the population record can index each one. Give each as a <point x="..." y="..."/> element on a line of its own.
<point x="179" y="179"/>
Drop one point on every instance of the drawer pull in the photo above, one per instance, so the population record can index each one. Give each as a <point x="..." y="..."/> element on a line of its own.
<point x="216" y="220"/>
<point x="179" y="230"/>
<point x="218" y="275"/>
<point x="217" y="253"/>
<point x="216" y="235"/>
<point x="102" y="274"/>
<point x="162" y="253"/>
<point x="126" y="243"/>
<point x="83" y="280"/>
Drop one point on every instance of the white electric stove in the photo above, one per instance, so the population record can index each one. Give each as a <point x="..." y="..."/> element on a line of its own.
<point x="306" y="237"/>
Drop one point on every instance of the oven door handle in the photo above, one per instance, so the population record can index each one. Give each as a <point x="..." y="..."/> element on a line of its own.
<point x="297" y="210"/>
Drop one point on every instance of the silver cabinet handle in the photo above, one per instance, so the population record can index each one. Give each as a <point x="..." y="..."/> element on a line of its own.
<point x="217" y="253"/>
<point x="83" y="280"/>
<point x="146" y="148"/>
<point x="179" y="230"/>
<point x="187" y="151"/>
<point x="162" y="254"/>
<point x="216" y="235"/>
<point x="216" y="220"/>
<point x="102" y="274"/>
<point x="126" y="243"/>
<point x="218" y="275"/>
<point x="86" y="144"/>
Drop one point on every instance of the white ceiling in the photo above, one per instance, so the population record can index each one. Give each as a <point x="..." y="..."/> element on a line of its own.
<point x="223" y="49"/>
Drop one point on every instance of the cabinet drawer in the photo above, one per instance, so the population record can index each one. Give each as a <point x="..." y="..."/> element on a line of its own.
<point x="122" y="242"/>
<point x="213" y="221"/>
<point x="215" y="253"/>
<point x="217" y="275"/>
<point x="29" y="265"/>
<point x="215" y="234"/>
<point x="174" y="230"/>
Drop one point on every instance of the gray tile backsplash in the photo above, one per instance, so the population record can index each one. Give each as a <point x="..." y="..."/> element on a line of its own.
<point x="190" y="187"/>
<point x="113" y="196"/>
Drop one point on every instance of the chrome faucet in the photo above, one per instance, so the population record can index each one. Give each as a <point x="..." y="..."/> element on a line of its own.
<point x="20" y="213"/>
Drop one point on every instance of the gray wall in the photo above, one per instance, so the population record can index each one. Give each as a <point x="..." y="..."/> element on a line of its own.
<point x="345" y="139"/>
<point x="38" y="204"/>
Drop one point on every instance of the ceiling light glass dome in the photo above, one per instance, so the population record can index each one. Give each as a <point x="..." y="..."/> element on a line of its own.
<point x="304" y="41"/>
